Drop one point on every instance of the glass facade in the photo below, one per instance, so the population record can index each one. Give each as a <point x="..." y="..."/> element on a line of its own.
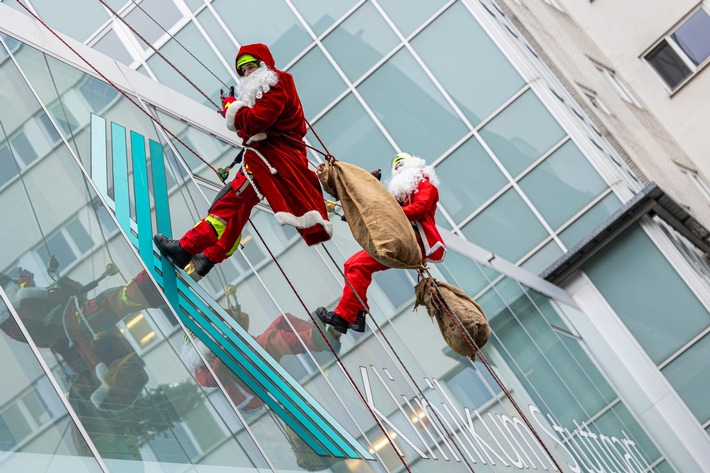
<point x="119" y="372"/>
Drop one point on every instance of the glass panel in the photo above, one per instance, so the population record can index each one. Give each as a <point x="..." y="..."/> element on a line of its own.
<point x="36" y="432"/>
<point x="668" y="64"/>
<point x="469" y="178"/>
<point x="409" y="106"/>
<point x="407" y="15"/>
<point x="490" y="79"/>
<point x="543" y="258"/>
<point x="360" y="142"/>
<point x="112" y="46"/>
<point x="523" y="132"/>
<point x="92" y="15"/>
<point x="360" y="41"/>
<point x="317" y="81"/>
<point x="507" y="227"/>
<point x="689" y="376"/>
<point x="693" y="37"/>
<point x="591" y="219"/>
<point x="643" y="289"/>
<point x="562" y="184"/>
<point x="225" y="46"/>
<point x="321" y="15"/>
<point x="150" y="18"/>
<point x="198" y="74"/>
<point x="276" y="26"/>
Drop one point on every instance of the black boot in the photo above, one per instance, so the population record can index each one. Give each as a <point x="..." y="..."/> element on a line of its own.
<point x="359" y="324"/>
<point x="202" y="264"/>
<point x="331" y="318"/>
<point x="172" y="250"/>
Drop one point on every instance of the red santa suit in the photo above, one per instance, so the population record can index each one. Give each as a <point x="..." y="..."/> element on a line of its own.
<point x="274" y="166"/>
<point x="420" y="208"/>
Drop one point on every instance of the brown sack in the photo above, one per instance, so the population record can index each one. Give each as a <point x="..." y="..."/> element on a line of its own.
<point x="467" y="311"/>
<point x="375" y="218"/>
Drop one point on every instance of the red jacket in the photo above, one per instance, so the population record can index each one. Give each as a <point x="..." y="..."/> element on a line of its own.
<point x="420" y="209"/>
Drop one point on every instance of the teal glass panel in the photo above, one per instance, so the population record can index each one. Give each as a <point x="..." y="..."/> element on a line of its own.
<point x="111" y="45"/>
<point x="469" y="177"/>
<point x="507" y="227"/>
<point x="152" y="18"/>
<point x="224" y="44"/>
<point x="522" y="133"/>
<point x="360" y="142"/>
<point x="643" y="289"/>
<point x="321" y="15"/>
<point x="590" y="220"/>
<point x="411" y="108"/>
<point x="316" y="90"/>
<point x="201" y="76"/>
<point x="360" y="41"/>
<point x="478" y="79"/>
<point x="36" y="432"/>
<point x="543" y="258"/>
<point x="689" y="376"/>
<point x="409" y="16"/>
<point x="268" y="21"/>
<point x="195" y="4"/>
<point x="93" y="15"/>
<point x="562" y="184"/>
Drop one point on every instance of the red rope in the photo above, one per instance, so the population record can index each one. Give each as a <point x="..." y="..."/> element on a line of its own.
<point x="110" y="82"/>
<point x="337" y="357"/>
<point x="477" y="352"/>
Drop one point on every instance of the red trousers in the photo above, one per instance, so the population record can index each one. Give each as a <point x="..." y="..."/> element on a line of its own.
<point x="233" y="211"/>
<point x="358" y="272"/>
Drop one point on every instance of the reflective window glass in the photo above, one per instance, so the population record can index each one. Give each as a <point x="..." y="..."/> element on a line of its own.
<point x="468" y="177"/>
<point x="150" y="18"/>
<point x="63" y="19"/>
<point x="8" y="166"/>
<point x="693" y="36"/>
<point x="407" y="15"/>
<point x="317" y="82"/>
<point x="643" y="289"/>
<point x="542" y="258"/>
<point x="360" y="142"/>
<point x="411" y="108"/>
<point x="478" y="79"/>
<point x="219" y="37"/>
<point x="562" y="184"/>
<point x="111" y="45"/>
<point x="689" y="374"/>
<point x="590" y="220"/>
<point x="360" y="41"/>
<point x="277" y="26"/>
<point x="522" y="132"/>
<point x="194" y="4"/>
<point x="321" y="15"/>
<point x="507" y="227"/>
<point x="669" y="65"/>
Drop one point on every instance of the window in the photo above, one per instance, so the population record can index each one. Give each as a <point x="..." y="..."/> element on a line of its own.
<point x="594" y="99"/>
<point x="67" y="245"/>
<point x="682" y="52"/>
<point x="555" y="4"/>
<point x="618" y="85"/>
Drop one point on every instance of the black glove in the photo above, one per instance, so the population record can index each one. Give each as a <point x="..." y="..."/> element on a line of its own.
<point x="377" y="173"/>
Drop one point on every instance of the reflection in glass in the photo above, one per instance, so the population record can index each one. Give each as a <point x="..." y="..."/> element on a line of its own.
<point x="317" y="81"/>
<point x="151" y="18"/>
<point x="321" y="15"/>
<point x="111" y="45"/>
<point x="407" y="15"/>
<point x="590" y="220"/>
<point x="688" y="374"/>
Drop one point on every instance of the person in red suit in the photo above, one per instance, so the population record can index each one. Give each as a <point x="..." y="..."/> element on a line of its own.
<point x="267" y="115"/>
<point x="414" y="185"/>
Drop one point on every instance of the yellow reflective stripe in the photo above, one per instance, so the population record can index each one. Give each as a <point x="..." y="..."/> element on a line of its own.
<point x="236" y="245"/>
<point x="126" y="300"/>
<point x="217" y="223"/>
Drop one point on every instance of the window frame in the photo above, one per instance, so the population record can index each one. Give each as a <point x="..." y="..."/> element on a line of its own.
<point x="680" y="54"/>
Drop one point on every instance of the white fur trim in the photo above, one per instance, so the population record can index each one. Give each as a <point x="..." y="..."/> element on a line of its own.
<point x="258" y="137"/>
<point x="231" y="113"/>
<point x="307" y="220"/>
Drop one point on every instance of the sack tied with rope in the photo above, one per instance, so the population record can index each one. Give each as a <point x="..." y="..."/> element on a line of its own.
<point x="470" y="315"/>
<point x="375" y="218"/>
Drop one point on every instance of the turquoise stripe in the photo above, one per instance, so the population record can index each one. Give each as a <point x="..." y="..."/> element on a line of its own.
<point x="98" y="153"/>
<point x="120" y="176"/>
<point x="140" y="188"/>
<point x="162" y="213"/>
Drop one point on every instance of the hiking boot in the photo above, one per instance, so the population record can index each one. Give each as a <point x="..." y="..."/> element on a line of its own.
<point x="172" y="250"/>
<point x="331" y="318"/>
<point x="202" y="264"/>
<point x="359" y="324"/>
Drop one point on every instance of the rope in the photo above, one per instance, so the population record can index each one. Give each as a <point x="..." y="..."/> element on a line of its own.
<point x="477" y="352"/>
<point x="110" y="82"/>
<point x="337" y="357"/>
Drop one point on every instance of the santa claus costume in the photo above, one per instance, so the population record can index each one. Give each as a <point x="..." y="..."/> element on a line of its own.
<point x="413" y="184"/>
<point x="267" y="115"/>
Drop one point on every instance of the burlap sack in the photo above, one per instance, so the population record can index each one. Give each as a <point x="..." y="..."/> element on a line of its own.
<point x="468" y="312"/>
<point x="375" y="218"/>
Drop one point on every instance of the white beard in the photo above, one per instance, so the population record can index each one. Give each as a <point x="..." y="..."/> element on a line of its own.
<point x="252" y="87"/>
<point x="405" y="180"/>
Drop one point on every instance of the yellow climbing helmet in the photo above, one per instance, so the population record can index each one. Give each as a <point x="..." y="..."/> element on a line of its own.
<point x="399" y="157"/>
